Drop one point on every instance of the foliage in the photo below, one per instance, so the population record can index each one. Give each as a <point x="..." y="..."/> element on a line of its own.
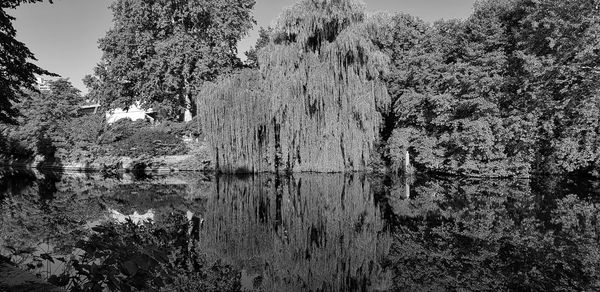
<point x="263" y="40"/>
<point x="159" y="51"/>
<point x="312" y="105"/>
<point x="11" y="149"/>
<point x="505" y="235"/>
<point x="85" y="130"/>
<point x="125" y="258"/>
<point x="329" y="232"/>
<point x="15" y="3"/>
<point x="52" y="127"/>
<point x="84" y="133"/>
<point x="16" y="70"/>
<point x="190" y="129"/>
<point x="122" y="129"/>
<point x="149" y="142"/>
<point x="57" y="210"/>
<point x="135" y="138"/>
<point x="511" y="90"/>
<point x="45" y="117"/>
<point x="559" y="57"/>
<point x="304" y="232"/>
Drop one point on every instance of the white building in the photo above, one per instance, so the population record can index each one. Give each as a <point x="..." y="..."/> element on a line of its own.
<point x="135" y="112"/>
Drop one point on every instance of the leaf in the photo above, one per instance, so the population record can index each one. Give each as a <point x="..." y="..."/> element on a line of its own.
<point x="25" y="250"/>
<point x="94" y="269"/>
<point x="143" y="261"/>
<point x="61" y="259"/>
<point x="130" y="267"/>
<point x="113" y="283"/>
<point x="161" y="256"/>
<point x="99" y="229"/>
<point x="47" y="257"/>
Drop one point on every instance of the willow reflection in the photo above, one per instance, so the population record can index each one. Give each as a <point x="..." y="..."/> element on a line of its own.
<point x="302" y="232"/>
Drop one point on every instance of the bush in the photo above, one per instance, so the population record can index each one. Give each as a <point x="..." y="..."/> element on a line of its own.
<point x="122" y="129"/>
<point x="86" y="130"/>
<point x="189" y="129"/>
<point x="149" y="141"/>
<point x="134" y="138"/>
<point x="82" y="134"/>
<point x="85" y="138"/>
<point x="12" y="147"/>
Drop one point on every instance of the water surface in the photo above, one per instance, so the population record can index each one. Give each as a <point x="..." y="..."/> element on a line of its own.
<point x="310" y="232"/>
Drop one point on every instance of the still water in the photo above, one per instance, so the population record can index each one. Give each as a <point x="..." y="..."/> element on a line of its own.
<point x="310" y="232"/>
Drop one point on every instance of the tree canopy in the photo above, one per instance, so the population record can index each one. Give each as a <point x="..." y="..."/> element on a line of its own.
<point x="45" y="119"/>
<point x="513" y="89"/>
<point x="313" y="103"/>
<point x="16" y="70"/>
<point x="158" y="52"/>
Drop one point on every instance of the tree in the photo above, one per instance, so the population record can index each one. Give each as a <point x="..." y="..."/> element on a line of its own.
<point x="555" y="76"/>
<point x="510" y="90"/>
<point x="16" y="71"/>
<point x="444" y="82"/>
<point x="45" y="116"/>
<point x="158" y="52"/>
<point x="501" y="235"/>
<point x="263" y="41"/>
<point x="312" y="106"/>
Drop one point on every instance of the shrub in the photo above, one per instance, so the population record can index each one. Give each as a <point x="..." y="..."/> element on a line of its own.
<point x="12" y="147"/>
<point x="134" y="138"/>
<point x="154" y="142"/>
<point x="190" y="129"/>
<point x="122" y="129"/>
<point x="86" y="130"/>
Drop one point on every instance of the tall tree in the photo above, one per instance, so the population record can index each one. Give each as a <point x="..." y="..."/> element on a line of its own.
<point x="16" y="70"/>
<point x="312" y="105"/>
<point x="159" y="51"/>
<point x="444" y="82"/>
<point x="511" y="89"/>
<point x="555" y="76"/>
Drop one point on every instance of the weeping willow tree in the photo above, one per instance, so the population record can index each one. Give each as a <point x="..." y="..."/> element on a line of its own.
<point x="313" y="103"/>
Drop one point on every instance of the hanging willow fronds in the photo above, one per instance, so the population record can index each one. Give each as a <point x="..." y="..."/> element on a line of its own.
<point x="314" y="99"/>
<point x="237" y="119"/>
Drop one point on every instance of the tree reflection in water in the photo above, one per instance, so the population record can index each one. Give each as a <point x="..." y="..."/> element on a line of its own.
<point x="502" y="235"/>
<point x="304" y="232"/>
<point x="309" y="232"/>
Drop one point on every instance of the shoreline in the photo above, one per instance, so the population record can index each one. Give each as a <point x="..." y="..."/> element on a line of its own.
<point x="163" y="165"/>
<point x="160" y="164"/>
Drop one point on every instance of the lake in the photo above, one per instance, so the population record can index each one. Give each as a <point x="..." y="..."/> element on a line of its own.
<point x="307" y="232"/>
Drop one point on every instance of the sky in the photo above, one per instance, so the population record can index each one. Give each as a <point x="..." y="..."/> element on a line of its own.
<point x="64" y="35"/>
